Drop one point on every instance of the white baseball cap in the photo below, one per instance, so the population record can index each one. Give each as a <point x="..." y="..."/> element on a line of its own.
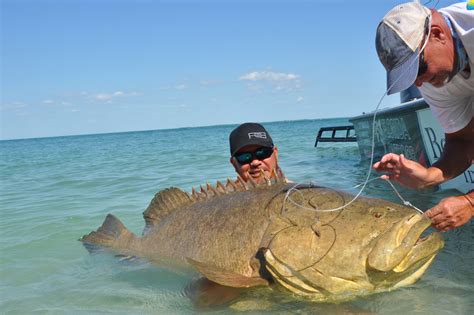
<point x="398" y="40"/>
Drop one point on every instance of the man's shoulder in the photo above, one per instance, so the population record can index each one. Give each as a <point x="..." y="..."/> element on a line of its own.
<point x="457" y="9"/>
<point x="462" y="19"/>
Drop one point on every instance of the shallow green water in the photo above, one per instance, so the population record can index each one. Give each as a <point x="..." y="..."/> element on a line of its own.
<point x="55" y="190"/>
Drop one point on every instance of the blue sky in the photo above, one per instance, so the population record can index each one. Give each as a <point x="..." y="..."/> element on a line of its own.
<point x="81" y="67"/>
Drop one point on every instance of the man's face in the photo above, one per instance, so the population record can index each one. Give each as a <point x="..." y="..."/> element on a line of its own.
<point x="253" y="168"/>
<point x="438" y="57"/>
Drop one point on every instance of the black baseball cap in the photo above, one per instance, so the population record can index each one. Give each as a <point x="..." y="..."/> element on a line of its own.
<point x="249" y="134"/>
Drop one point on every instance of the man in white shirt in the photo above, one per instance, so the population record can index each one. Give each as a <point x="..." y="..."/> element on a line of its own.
<point x="434" y="49"/>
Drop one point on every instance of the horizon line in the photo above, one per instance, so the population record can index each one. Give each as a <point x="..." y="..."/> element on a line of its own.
<point x="160" y="129"/>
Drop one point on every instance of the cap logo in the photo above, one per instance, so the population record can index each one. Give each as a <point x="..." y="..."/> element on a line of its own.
<point x="260" y="135"/>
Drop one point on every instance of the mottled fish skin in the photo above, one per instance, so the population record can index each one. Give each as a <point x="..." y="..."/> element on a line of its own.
<point x="243" y="234"/>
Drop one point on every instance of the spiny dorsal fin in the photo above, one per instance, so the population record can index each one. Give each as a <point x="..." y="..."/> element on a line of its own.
<point x="212" y="190"/>
<point x="198" y="195"/>
<point x="194" y="194"/>
<point x="221" y="188"/>
<point x="203" y="192"/>
<point x="230" y="185"/>
<point x="251" y="181"/>
<point x="265" y="177"/>
<point x="276" y="177"/>
<point x="241" y="181"/>
<point x="164" y="203"/>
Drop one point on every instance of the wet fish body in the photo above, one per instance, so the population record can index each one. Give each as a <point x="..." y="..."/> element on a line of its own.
<point x="245" y="235"/>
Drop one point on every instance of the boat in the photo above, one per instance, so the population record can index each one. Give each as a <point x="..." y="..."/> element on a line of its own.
<point x="409" y="128"/>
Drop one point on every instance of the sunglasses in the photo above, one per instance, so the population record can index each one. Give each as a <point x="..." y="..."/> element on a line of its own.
<point x="423" y="66"/>
<point x="259" y="154"/>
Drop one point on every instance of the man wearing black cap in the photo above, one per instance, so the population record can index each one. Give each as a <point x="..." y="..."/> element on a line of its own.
<point x="252" y="152"/>
<point x="434" y="49"/>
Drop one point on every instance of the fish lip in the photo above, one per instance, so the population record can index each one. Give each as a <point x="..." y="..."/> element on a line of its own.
<point x="423" y="239"/>
<point x="426" y="224"/>
<point x="421" y="223"/>
<point x="395" y="244"/>
<point x="422" y="250"/>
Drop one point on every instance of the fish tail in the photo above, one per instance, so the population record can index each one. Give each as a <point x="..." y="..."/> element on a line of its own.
<point x="111" y="235"/>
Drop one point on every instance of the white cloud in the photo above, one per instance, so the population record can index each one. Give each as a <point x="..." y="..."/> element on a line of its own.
<point x="206" y="83"/>
<point x="175" y="87"/>
<point x="48" y="102"/>
<point x="268" y="76"/>
<point x="299" y="99"/>
<point x="13" y="105"/>
<point x="108" y="97"/>
<point x="103" y="97"/>
<point x="181" y="87"/>
<point x="264" y="81"/>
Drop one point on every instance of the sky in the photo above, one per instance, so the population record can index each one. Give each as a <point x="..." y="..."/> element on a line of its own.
<point x="71" y="67"/>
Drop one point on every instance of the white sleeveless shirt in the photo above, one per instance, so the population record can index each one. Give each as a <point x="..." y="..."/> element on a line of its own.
<point x="453" y="103"/>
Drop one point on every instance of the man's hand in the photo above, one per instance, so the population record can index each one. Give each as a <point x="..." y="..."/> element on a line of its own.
<point x="450" y="213"/>
<point x="406" y="172"/>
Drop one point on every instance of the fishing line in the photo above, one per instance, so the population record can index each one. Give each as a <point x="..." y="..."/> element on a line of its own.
<point x="295" y="189"/>
<point x="407" y="203"/>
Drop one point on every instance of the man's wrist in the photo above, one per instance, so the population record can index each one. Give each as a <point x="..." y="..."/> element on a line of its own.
<point x="434" y="176"/>
<point x="470" y="197"/>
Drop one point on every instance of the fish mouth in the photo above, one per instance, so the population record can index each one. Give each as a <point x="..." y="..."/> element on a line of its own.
<point x="423" y="250"/>
<point x="421" y="239"/>
<point x="404" y="252"/>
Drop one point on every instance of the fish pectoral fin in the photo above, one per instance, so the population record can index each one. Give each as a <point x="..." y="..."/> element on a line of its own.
<point x="225" y="277"/>
<point x="204" y="293"/>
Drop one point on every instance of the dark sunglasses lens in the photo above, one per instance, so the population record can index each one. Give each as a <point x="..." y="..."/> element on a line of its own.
<point x="263" y="153"/>
<point x="260" y="154"/>
<point x="244" y="158"/>
<point x="422" y="66"/>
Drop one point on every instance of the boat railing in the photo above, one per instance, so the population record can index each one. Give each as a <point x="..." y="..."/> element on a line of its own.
<point x="331" y="134"/>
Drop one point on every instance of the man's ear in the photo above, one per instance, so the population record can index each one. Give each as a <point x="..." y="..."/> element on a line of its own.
<point x="234" y="163"/>
<point x="275" y="151"/>
<point x="438" y="34"/>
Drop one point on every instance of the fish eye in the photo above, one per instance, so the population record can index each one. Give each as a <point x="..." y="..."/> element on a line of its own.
<point x="378" y="212"/>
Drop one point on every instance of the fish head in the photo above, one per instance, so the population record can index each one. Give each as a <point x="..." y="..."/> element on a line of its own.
<point x="366" y="247"/>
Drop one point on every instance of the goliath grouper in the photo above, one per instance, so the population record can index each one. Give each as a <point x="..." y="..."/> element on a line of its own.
<point x="244" y="235"/>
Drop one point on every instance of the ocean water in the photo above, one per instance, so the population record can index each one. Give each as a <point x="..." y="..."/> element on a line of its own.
<point x="54" y="190"/>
